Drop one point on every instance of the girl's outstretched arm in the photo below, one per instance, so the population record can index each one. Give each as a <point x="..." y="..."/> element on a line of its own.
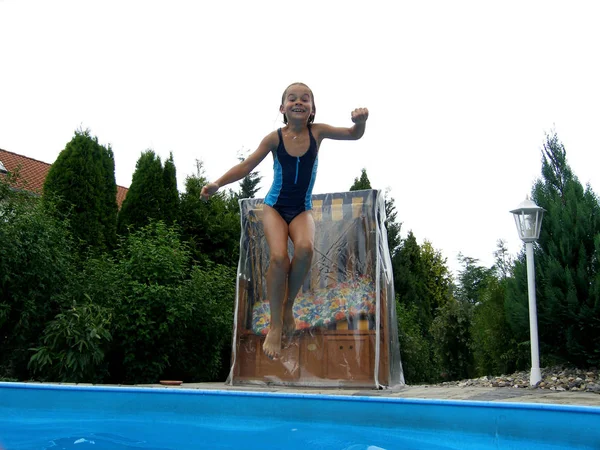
<point x="359" y="117"/>
<point x="242" y="169"/>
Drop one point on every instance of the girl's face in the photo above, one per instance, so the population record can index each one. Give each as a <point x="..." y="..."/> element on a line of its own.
<point x="297" y="104"/>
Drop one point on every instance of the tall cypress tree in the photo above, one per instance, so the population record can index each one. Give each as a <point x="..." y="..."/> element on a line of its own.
<point x="171" y="194"/>
<point x="566" y="264"/>
<point x="82" y="184"/>
<point x="409" y="279"/>
<point x="152" y="195"/>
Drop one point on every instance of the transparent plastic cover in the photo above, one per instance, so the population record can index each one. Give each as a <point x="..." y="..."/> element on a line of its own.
<point x="346" y="329"/>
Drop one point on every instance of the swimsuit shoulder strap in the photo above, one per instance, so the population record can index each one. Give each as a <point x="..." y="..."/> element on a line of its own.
<point x="313" y="141"/>
<point x="277" y="151"/>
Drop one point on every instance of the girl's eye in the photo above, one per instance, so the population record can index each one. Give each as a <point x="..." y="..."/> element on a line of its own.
<point x="305" y="98"/>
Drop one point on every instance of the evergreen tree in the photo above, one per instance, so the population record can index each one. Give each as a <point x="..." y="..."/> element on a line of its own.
<point x="469" y="328"/>
<point x="437" y="277"/>
<point x="472" y="279"/>
<point x="566" y="265"/>
<point x="171" y="194"/>
<point x="569" y="254"/>
<point x="145" y="194"/>
<point x="362" y="183"/>
<point x="152" y="194"/>
<point x="503" y="260"/>
<point x="423" y="285"/>
<point x="81" y="183"/>
<point x="392" y="227"/>
<point x="478" y="319"/>
<point x="409" y="279"/>
<point x="249" y="184"/>
<point x="421" y="278"/>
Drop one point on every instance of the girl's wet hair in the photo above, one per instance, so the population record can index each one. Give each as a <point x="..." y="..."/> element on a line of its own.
<point x="311" y="118"/>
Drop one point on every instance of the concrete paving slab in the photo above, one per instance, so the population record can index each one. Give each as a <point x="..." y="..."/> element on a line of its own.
<point x="469" y="393"/>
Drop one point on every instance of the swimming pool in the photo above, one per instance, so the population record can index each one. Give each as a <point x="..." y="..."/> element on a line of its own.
<point x="44" y="416"/>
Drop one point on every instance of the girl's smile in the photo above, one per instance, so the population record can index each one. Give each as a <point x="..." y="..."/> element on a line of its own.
<point x="298" y="103"/>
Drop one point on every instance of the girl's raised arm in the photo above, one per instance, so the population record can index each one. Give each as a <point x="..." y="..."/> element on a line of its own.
<point x="359" y="117"/>
<point x="242" y="169"/>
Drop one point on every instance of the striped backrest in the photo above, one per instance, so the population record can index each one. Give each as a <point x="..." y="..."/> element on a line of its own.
<point x="346" y="225"/>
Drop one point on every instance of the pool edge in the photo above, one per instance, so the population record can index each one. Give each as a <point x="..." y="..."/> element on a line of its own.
<point x="298" y="395"/>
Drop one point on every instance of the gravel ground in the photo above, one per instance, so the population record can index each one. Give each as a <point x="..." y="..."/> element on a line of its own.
<point x="553" y="378"/>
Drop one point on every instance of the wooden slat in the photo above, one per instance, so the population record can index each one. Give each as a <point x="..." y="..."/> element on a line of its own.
<point x="317" y="210"/>
<point x="357" y="206"/>
<point x="337" y="209"/>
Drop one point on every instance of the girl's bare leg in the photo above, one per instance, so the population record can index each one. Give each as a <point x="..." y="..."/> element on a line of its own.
<point x="302" y="233"/>
<point x="276" y="233"/>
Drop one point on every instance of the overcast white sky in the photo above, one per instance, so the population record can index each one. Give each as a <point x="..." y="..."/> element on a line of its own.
<point x="460" y="93"/>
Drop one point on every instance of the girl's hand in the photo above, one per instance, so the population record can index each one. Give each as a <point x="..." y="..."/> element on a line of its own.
<point x="208" y="190"/>
<point x="360" y="115"/>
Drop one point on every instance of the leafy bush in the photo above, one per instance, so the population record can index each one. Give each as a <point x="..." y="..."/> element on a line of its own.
<point x="154" y="254"/>
<point x="415" y="348"/>
<point x="35" y="264"/>
<point x="495" y="350"/>
<point x="74" y="345"/>
<point x="135" y="316"/>
<point x="152" y="264"/>
<point x="206" y="331"/>
<point x="452" y="340"/>
<point x="169" y="321"/>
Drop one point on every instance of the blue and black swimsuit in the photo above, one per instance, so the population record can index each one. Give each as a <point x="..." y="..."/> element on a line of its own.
<point x="291" y="191"/>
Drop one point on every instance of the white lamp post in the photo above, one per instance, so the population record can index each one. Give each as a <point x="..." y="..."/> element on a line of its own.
<point x="528" y="217"/>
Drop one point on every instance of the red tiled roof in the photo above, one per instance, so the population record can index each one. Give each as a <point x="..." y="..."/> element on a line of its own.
<point x="33" y="173"/>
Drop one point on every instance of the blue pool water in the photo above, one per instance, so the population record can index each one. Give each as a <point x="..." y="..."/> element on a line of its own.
<point x="36" y="417"/>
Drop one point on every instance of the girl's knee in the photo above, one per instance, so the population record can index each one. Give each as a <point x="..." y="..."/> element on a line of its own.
<point x="279" y="260"/>
<point x="304" y="250"/>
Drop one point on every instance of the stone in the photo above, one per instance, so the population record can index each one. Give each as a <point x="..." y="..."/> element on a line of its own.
<point x="553" y="378"/>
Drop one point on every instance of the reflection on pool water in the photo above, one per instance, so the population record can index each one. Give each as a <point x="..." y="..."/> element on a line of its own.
<point x="38" y="416"/>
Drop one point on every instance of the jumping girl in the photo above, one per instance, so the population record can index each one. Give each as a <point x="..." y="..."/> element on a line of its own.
<point x="288" y="205"/>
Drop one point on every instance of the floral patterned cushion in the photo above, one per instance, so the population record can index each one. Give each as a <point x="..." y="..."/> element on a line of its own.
<point x="323" y="306"/>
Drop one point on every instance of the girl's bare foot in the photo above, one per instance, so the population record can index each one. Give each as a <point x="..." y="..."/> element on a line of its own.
<point x="272" y="344"/>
